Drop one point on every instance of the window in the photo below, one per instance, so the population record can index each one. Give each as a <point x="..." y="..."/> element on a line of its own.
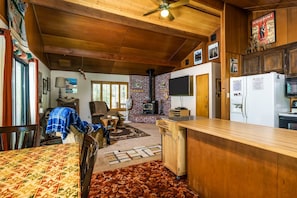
<point x="20" y="92"/>
<point x="114" y="94"/>
<point x="24" y="92"/>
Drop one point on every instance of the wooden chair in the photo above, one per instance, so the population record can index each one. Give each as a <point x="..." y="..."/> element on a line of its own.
<point x="19" y="137"/>
<point x="87" y="162"/>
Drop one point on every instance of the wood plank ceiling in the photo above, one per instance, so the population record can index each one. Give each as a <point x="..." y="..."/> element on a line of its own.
<point x="114" y="37"/>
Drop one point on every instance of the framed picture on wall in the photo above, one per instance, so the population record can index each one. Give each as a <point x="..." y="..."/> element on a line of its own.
<point x="263" y="29"/>
<point x="233" y="65"/>
<point x="44" y="86"/>
<point x="40" y="83"/>
<point x="198" y="57"/>
<point x="213" y="51"/>
<point x="71" y="85"/>
<point x="48" y="84"/>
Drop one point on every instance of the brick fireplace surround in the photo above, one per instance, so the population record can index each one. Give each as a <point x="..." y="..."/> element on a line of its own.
<point x="139" y="90"/>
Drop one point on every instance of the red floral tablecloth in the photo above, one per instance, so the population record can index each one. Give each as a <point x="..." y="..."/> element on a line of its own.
<point x="47" y="171"/>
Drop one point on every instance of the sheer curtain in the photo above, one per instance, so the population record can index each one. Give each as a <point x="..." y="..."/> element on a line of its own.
<point x="33" y="86"/>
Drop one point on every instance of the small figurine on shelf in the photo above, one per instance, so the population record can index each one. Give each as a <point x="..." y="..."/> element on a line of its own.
<point x="252" y="45"/>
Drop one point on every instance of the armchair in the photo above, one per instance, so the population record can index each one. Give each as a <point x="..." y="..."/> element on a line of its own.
<point x="100" y="109"/>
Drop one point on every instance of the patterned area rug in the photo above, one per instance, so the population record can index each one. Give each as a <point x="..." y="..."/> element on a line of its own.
<point x="150" y="179"/>
<point x="126" y="132"/>
<point x="115" y="157"/>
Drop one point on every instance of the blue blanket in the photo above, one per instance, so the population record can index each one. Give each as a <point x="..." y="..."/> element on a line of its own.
<point x="61" y="118"/>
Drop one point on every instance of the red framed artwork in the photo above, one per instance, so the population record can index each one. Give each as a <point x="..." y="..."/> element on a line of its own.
<point x="263" y="28"/>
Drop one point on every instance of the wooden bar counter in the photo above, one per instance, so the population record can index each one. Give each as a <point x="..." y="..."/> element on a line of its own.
<point x="229" y="159"/>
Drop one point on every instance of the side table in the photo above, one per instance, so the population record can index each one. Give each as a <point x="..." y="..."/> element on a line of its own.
<point x="110" y="123"/>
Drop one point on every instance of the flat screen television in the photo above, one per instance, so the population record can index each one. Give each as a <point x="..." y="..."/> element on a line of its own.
<point x="291" y="87"/>
<point x="181" y="86"/>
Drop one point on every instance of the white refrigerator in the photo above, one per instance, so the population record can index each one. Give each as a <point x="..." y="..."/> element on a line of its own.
<point x="258" y="99"/>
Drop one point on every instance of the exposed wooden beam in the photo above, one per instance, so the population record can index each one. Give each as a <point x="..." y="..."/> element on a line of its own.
<point x="271" y="6"/>
<point x="216" y="4"/>
<point x="197" y="5"/>
<point x="114" y="18"/>
<point x="108" y="56"/>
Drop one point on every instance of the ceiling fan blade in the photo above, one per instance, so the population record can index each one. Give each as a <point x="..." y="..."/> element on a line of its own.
<point x="179" y="3"/>
<point x="151" y="12"/>
<point x="170" y="16"/>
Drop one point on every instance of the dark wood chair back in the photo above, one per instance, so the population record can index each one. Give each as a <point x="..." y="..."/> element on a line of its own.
<point x="19" y="137"/>
<point x="87" y="162"/>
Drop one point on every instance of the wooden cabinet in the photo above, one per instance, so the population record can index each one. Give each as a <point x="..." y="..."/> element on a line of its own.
<point x="72" y="102"/>
<point x="274" y="60"/>
<point x="179" y="113"/>
<point x="292" y="60"/>
<point x="173" y="146"/>
<point x="281" y="59"/>
<point x="252" y="64"/>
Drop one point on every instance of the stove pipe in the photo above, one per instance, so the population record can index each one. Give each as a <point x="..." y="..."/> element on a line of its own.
<point x="151" y="85"/>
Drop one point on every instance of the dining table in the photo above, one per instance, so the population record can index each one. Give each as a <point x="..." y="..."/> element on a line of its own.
<point x="45" y="171"/>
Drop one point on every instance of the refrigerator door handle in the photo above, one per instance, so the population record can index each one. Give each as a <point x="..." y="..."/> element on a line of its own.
<point x="244" y="107"/>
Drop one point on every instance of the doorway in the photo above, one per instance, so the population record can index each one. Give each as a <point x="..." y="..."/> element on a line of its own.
<point x="202" y="95"/>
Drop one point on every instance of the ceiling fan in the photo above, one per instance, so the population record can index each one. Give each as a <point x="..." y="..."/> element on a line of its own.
<point x="165" y="6"/>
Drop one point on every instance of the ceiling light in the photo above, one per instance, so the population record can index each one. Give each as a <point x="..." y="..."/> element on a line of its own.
<point x="164" y="13"/>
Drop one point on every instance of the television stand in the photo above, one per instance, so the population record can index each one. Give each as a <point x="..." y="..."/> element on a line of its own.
<point x="179" y="112"/>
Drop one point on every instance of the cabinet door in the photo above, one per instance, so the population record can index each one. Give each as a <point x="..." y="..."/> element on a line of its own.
<point x="274" y="61"/>
<point x="292" y="60"/>
<point x="169" y="151"/>
<point x="251" y="64"/>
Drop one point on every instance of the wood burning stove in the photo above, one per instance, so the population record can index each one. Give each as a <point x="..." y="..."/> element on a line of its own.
<point x="151" y="107"/>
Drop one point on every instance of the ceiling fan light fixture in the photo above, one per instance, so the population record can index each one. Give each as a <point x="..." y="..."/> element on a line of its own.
<point x="164" y="13"/>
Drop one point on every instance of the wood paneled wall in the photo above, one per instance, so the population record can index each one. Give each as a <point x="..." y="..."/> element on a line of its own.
<point x="234" y="42"/>
<point x="3" y="11"/>
<point x="204" y="46"/>
<point x="189" y="60"/>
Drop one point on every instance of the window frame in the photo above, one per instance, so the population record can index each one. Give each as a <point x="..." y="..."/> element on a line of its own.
<point x="21" y="113"/>
<point x="120" y="107"/>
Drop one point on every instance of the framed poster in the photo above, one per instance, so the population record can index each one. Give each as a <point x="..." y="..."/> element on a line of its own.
<point x="213" y="51"/>
<point x="198" y="57"/>
<point x="71" y="85"/>
<point x="263" y="29"/>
